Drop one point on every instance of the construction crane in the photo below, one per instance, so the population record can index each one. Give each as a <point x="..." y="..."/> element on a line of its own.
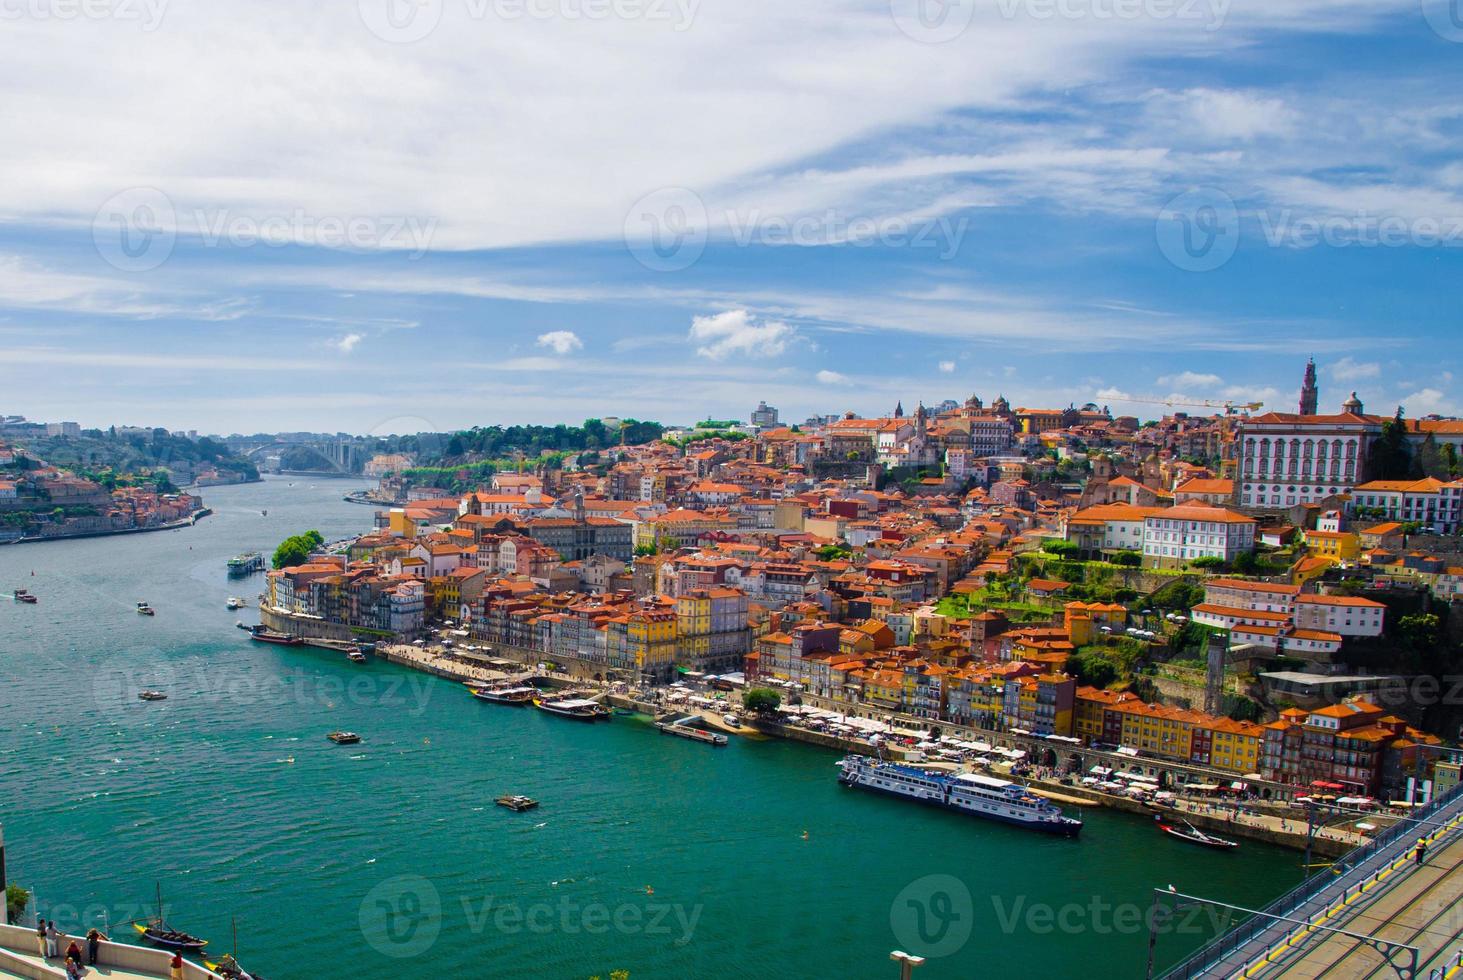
<point x="1229" y="407"/>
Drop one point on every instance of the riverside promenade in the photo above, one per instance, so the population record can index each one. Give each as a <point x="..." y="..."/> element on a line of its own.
<point x="1376" y="912"/>
<point x="20" y="957"/>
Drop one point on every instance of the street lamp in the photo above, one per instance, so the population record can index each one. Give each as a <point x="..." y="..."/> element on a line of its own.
<point x="907" y="962"/>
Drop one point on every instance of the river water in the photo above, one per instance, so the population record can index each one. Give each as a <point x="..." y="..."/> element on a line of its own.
<point x="655" y="855"/>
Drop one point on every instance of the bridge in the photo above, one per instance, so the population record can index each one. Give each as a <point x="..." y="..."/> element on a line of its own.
<point x="1378" y="912"/>
<point x="345" y="456"/>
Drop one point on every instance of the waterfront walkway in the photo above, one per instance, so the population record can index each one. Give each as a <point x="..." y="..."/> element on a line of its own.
<point x="19" y="957"/>
<point x="1379" y="891"/>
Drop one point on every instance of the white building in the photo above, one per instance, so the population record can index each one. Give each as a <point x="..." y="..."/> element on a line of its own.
<point x="1430" y="502"/>
<point x="1181" y="534"/>
<point x="1347" y="615"/>
<point x="1285" y="460"/>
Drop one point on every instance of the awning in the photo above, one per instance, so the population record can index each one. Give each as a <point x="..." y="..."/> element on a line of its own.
<point x="1237" y="785"/>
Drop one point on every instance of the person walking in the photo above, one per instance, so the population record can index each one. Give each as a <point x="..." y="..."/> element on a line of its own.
<point x="94" y="939"/>
<point x="53" y="939"/>
<point x="1420" y="852"/>
<point x="41" y="936"/>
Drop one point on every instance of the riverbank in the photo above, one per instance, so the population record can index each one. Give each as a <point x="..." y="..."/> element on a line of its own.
<point x="370" y="497"/>
<point x="189" y="521"/>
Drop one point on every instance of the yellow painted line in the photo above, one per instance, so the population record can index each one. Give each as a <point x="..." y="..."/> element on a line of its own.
<point x="1306" y="930"/>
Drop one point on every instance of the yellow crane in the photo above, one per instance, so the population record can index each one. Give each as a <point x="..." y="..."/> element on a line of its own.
<point x="1229" y="407"/>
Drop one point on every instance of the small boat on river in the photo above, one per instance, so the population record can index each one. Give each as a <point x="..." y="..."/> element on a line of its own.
<point x="580" y="709"/>
<point x="505" y="695"/>
<point x="344" y="738"/>
<point x="1194" y="835"/>
<point x="517" y="803"/>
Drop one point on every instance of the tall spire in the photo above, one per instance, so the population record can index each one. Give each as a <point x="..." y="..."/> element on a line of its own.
<point x="1310" y="395"/>
<point x="899" y="410"/>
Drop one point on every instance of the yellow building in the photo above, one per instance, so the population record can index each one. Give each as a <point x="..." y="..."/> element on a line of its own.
<point x="1334" y="546"/>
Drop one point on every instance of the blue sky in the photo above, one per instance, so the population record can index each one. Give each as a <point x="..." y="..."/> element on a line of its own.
<point x="241" y="217"/>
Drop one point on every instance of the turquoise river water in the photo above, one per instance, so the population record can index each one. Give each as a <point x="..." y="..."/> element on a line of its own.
<point x="659" y="856"/>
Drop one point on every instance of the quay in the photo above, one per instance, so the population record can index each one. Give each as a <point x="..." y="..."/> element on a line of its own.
<point x="1375" y="912"/>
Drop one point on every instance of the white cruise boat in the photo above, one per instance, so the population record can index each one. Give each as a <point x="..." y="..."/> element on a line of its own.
<point x="983" y="796"/>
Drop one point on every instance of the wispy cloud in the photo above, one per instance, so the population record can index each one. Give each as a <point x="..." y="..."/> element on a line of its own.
<point x="561" y="341"/>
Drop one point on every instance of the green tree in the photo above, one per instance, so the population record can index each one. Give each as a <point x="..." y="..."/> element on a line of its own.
<point x="1420" y="630"/>
<point x="762" y="700"/>
<point x="1060" y="548"/>
<point x="1208" y="561"/>
<point x="16" y="899"/>
<point x="296" y="549"/>
<point x="644" y="550"/>
<point x="1392" y="453"/>
<point x="1128" y="559"/>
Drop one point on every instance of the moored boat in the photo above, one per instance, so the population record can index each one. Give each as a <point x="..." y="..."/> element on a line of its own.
<point x="1194" y="835"/>
<point x="972" y="793"/>
<point x="157" y="932"/>
<point x="263" y="634"/>
<point x="355" y="655"/>
<point x="580" y="709"/>
<point x="694" y="734"/>
<point x="505" y="695"/>
<point x="235" y="602"/>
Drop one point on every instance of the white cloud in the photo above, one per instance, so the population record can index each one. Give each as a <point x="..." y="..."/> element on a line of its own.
<point x="738" y="332"/>
<point x="347" y="343"/>
<point x="832" y="378"/>
<point x="561" y="341"/>
<point x="947" y="367"/>
<point x="1350" y="369"/>
<point x="1428" y="401"/>
<point x="1190" y="379"/>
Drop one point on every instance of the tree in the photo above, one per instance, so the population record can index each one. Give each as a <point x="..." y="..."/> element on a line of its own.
<point x="1062" y="549"/>
<point x="1128" y="559"/>
<point x="1092" y="668"/>
<point x="1430" y="461"/>
<point x="644" y="550"/>
<point x="1207" y="561"/>
<point x="1420" y="630"/>
<point x="1392" y="453"/>
<point x="16" y="899"/>
<point x="296" y="549"/>
<point x="762" y="700"/>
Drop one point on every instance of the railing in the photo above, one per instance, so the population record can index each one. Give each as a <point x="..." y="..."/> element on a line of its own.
<point x="1356" y="869"/>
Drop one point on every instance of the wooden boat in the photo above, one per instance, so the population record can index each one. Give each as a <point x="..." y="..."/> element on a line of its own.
<point x="505" y="695"/>
<point x="580" y="709"/>
<point x="344" y="738"/>
<point x="517" y="803"/>
<point x="1194" y="835"/>
<point x="157" y="931"/>
<point x="229" y="969"/>
<point x="152" y="695"/>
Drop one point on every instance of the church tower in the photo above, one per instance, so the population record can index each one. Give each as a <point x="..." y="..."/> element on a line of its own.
<point x="1309" y="394"/>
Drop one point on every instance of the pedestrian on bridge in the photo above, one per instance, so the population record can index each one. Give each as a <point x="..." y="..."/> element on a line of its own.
<point x="1419" y="852"/>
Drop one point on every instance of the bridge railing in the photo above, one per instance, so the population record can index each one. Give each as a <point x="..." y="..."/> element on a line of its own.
<point x="1351" y="871"/>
